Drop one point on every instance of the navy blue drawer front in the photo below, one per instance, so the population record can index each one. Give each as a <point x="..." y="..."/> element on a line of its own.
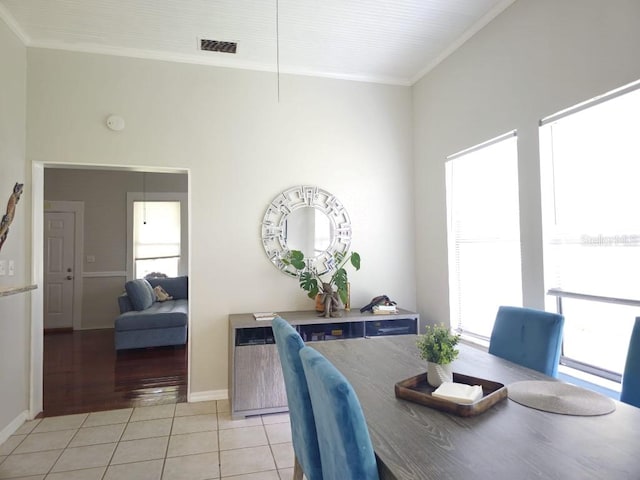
<point x="400" y="326"/>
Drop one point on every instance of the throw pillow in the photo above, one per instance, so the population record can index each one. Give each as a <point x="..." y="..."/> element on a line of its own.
<point x="140" y="293"/>
<point x="177" y="287"/>
<point x="161" y="294"/>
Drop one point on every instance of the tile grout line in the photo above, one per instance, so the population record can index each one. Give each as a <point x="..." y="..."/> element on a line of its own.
<point x="49" y="471"/>
<point x="128" y="421"/>
<point x="166" y="450"/>
<point x="218" y="437"/>
<point x="106" y="468"/>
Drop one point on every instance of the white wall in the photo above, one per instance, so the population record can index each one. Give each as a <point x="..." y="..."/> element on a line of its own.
<point x="536" y="58"/>
<point x="14" y="310"/>
<point x="242" y="148"/>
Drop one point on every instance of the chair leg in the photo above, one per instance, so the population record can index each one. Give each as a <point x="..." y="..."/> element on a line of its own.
<point x="297" y="470"/>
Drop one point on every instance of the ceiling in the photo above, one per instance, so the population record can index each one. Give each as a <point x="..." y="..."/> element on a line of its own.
<point x="383" y="41"/>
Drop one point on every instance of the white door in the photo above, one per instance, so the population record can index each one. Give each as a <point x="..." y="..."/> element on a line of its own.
<point x="59" y="230"/>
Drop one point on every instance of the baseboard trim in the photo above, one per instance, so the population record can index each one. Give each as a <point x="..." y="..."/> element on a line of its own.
<point x="53" y="331"/>
<point x="14" y="425"/>
<point x="208" y="395"/>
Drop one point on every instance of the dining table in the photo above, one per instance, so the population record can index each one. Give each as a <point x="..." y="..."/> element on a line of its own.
<point x="506" y="441"/>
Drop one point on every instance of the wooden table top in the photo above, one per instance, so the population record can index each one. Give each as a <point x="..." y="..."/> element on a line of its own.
<point x="508" y="441"/>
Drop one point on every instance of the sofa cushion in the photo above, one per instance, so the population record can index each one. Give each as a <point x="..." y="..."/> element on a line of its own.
<point x="154" y="337"/>
<point x="124" y="303"/>
<point x="172" y="313"/>
<point x="140" y="293"/>
<point x="177" y="287"/>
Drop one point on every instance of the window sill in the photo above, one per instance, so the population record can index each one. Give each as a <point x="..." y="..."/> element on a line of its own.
<point x="474" y="342"/>
<point x="567" y="374"/>
<point x="590" y="379"/>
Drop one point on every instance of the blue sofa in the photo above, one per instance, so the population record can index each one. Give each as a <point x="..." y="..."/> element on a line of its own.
<point x="147" y="321"/>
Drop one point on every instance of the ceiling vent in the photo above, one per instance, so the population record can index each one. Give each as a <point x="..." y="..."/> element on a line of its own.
<point x="217" y="46"/>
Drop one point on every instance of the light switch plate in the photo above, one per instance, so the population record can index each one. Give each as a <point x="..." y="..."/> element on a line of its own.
<point x="12" y="268"/>
<point x="3" y="267"/>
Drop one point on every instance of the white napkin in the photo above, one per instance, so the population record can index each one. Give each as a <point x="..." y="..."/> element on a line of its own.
<point x="458" y="392"/>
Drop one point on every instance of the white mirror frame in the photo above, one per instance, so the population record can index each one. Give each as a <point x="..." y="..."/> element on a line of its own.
<point x="274" y="227"/>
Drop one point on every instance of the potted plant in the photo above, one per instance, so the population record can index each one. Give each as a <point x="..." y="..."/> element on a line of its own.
<point x="333" y="290"/>
<point x="438" y="347"/>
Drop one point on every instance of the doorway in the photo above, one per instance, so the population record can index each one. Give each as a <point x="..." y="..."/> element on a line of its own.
<point x="99" y="282"/>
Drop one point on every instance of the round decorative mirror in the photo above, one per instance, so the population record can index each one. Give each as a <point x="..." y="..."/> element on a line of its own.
<point x="308" y="219"/>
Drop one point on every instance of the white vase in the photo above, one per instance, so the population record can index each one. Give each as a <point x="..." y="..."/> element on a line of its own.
<point x="438" y="374"/>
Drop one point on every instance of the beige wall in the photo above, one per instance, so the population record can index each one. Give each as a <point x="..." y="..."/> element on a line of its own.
<point x="15" y="309"/>
<point x="104" y="196"/>
<point x="536" y="58"/>
<point x="241" y="147"/>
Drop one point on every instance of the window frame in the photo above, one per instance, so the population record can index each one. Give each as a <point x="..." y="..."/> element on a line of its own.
<point x="184" y="234"/>
<point x="555" y="292"/>
<point x="456" y="323"/>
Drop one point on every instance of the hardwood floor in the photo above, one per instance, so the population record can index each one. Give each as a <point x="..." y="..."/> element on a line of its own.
<point x="84" y="373"/>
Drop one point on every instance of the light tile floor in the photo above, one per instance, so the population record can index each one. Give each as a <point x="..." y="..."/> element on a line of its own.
<point x="190" y="441"/>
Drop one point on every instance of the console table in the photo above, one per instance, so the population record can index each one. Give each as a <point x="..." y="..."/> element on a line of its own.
<point x="256" y="384"/>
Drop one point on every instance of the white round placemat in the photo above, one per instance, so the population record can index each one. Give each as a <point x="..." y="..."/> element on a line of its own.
<point x="558" y="397"/>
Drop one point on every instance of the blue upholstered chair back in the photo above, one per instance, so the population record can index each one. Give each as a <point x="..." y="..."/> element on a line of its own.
<point x="631" y="377"/>
<point x="528" y="337"/>
<point x="345" y="445"/>
<point x="303" y="427"/>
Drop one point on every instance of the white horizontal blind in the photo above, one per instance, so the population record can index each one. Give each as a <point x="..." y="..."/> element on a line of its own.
<point x="156" y="230"/>
<point x="593" y="238"/>
<point x="484" y="234"/>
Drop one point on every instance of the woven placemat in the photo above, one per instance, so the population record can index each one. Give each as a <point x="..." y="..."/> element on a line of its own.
<point x="558" y="397"/>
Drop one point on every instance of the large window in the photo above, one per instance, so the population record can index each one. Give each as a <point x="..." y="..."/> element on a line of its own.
<point x="590" y="162"/>
<point x="484" y="234"/>
<point x="157" y="234"/>
<point x="156" y="238"/>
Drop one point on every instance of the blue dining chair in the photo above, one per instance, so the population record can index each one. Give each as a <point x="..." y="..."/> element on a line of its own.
<point x="631" y="377"/>
<point x="531" y="338"/>
<point x="345" y="446"/>
<point x="303" y="426"/>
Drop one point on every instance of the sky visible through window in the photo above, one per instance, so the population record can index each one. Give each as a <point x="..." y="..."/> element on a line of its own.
<point x="156" y="237"/>
<point x="591" y="166"/>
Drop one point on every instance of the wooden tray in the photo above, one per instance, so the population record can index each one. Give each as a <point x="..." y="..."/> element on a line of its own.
<point x="416" y="389"/>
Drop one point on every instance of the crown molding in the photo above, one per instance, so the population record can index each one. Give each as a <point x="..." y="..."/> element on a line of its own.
<point x="13" y="25"/>
<point x="213" y="60"/>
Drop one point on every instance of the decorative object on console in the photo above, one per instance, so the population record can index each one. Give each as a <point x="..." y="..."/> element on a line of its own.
<point x="379" y="301"/>
<point x="308" y="219"/>
<point x="384" y="309"/>
<point x="10" y="213"/>
<point x="347" y="304"/>
<point x="312" y="282"/>
<point x="438" y="347"/>
<point x="265" y="315"/>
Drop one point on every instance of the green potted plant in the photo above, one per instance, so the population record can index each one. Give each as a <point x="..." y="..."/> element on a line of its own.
<point x="334" y="289"/>
<point x="438" y="347"/>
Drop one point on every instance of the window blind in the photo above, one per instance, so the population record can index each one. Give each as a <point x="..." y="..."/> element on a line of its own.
<point x="484" y="234"/>
<point x="593" y="235"/>
<point x="156" y="230"/>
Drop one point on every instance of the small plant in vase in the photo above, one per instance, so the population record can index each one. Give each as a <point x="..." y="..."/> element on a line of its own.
<point x="438" y="347"/>
<point x="334" y="291"/>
